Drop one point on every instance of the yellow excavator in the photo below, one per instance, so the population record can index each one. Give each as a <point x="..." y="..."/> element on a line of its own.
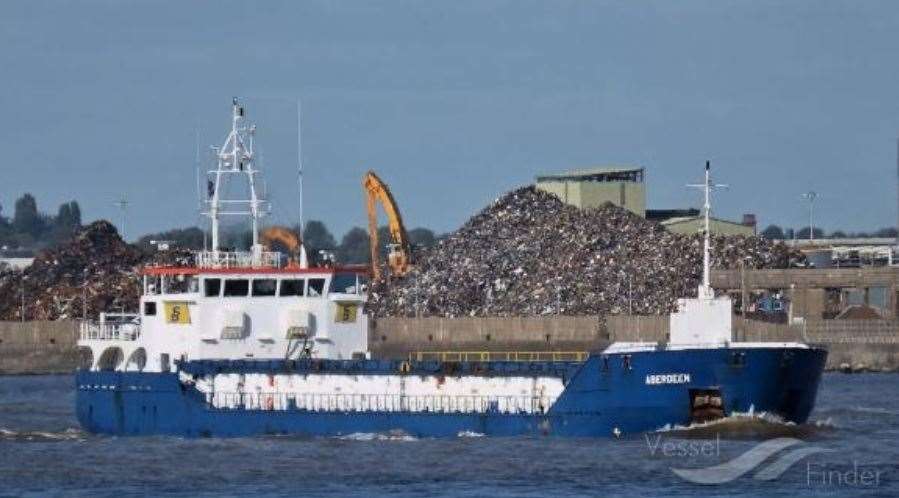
<point x="287" y="238"/>
<point x="399" y="256"/>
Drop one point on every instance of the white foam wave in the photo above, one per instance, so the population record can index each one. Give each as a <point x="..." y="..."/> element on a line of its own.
<point x="377" y="436"/>
<point x="826" y="423"/>
<point x="69" y="434"/>
<point x="736" y="417"/>
<point x="470" y="434"/>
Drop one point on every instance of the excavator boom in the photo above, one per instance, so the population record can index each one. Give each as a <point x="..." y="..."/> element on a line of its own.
<point x="286" y="237"/>
<point x="399" y="259"/>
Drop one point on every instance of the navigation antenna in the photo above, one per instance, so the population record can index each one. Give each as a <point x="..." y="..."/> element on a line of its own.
<point x="197" y="173"/>
<point x="705" y="289"/>
<point x="304" y="262"/>
<point x="236" y="157"/>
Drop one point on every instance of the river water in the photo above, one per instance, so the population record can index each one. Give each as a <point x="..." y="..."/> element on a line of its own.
<point x="850" y="448"/>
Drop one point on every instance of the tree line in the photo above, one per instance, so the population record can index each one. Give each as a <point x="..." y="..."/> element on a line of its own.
<point x="775" y="232"/>
<point x="353" y="247"/>
<point x="29" y="229"/>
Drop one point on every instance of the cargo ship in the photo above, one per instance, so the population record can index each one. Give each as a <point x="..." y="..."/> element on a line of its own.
<point x="244" y="343"/>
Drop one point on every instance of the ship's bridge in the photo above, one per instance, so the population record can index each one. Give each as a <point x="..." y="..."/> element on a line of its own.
<point x="235" y="305"/>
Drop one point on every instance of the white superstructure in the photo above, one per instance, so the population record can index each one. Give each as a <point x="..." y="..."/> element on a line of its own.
<point x="235" y="304"/>
<point x="705" y="319"/>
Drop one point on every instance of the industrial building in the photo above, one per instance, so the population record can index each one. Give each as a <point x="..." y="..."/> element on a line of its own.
<point x="848" y="252"/>
<point x="624" y="186"/>
<point x="818" y="293"/>
<point x="592" y="187"/>
<point x="692" y="224"/>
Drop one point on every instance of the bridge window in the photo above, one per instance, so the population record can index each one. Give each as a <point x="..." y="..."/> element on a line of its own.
<point x="179" y="284"/>
<point x="149" y="308"/>
<point x="316" y="287"/>
<point x="236" y="288"/>
<point x="212" y="287"/>
<point x="292" y="287"/>
<point x="264" y="287"/>
<point x="346" y="283"/>
<point x="153" y="285"/>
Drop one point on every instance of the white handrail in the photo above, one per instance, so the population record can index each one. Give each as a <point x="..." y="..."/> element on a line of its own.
<point x="239" y="259"/>
<point x="96" y="331"/>
<point x="324" y="402"/>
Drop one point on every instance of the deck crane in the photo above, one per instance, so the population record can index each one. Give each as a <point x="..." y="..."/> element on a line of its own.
<point x="399" y="256"/>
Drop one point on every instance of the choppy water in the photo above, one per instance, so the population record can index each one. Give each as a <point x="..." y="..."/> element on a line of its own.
<point x="43" y="453"/>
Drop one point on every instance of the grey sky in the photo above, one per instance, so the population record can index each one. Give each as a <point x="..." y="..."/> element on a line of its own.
<point x="454" y="103"/>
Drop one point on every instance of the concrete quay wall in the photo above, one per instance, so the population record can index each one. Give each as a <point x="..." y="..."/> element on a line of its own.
<point x="870" y="344"/>
<point x="38" y="347"/>
<point x="50" y="347"/>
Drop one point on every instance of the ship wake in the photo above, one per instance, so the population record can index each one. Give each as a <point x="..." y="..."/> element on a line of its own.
<point x="751" y="426"/>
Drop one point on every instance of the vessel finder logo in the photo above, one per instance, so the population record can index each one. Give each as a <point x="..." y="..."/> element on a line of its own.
<point x="751" y="460"/>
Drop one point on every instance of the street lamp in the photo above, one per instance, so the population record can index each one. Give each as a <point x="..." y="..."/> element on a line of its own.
<point x="810" y="196"/>
<point x="22" y="294"/>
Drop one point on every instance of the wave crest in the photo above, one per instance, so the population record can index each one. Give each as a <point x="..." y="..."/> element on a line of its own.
<point x="70" y="434"/>
<point x="378" y="436"/>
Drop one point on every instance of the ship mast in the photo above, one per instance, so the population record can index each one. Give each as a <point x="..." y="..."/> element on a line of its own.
<point x="705" y="288"/>
<point x="235" y="157"/>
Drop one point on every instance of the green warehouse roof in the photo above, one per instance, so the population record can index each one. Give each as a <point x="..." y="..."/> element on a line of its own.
<point x="599" y="173"/>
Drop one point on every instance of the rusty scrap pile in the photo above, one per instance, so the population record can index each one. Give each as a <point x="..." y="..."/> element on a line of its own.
<point x="530" y="254"/>
<point x="95" y="271"/>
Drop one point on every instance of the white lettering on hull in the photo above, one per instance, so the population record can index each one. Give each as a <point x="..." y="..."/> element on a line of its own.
<point x="672" y="378"/>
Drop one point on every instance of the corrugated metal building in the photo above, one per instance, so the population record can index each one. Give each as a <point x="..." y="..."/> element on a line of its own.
<point x="692" y="225"/>
<point x="624" y="186"/>
<point x="592" y="187"/>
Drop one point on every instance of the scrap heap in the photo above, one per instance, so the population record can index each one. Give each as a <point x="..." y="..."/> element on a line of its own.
<point x="531" y="254"/>
<point x="93" y="272"/>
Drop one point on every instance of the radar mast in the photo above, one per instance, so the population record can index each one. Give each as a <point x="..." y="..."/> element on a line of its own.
<point x="235" y="160"/>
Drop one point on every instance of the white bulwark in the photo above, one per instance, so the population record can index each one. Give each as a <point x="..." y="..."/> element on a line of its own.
<point x="702" y="321"/>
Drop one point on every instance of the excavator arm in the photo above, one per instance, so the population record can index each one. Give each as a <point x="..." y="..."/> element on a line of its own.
<point x="286" y="237"/>
<point x="399" y="259"/>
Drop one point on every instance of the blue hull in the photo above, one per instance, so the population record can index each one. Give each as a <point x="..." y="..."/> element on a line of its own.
<point x="605" y="394"/>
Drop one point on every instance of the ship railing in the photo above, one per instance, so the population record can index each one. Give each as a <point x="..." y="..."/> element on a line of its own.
<point x="97" y="331"/>
<point x="467" y="356"/>
<point x="322" y="402"/>
<point x="238" y="259"/>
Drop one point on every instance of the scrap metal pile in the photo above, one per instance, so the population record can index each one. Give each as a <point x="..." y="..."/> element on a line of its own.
<point x="531" y="254"/>
<point x="95" y="271"/>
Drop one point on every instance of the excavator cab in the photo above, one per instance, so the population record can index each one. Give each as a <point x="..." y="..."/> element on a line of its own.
<point x="398" y="260"/>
